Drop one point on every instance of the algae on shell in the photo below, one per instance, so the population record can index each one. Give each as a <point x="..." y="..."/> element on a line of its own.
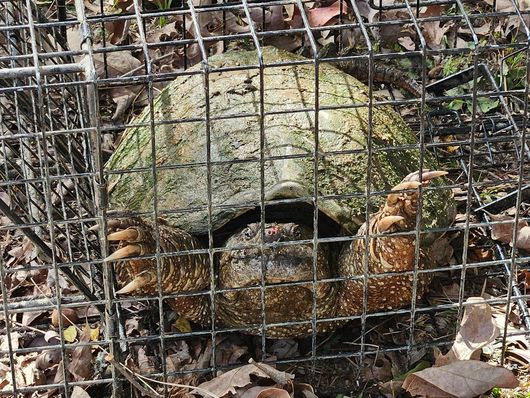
<point x="180" y="134"/>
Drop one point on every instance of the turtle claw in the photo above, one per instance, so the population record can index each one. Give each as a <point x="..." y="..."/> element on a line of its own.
<point x="399" y="202"/>
<point x="124" y="252"/>
<point x="402" y="186"/>
<point x="413" y="180"/>
<point x="426" y="176"/>
<point x="129" y="234"/>
<point x="385" y="223"/>
<point x="136" y="284"/>
<point x="114" y="224"/>
<point x="429" y="175"/>
<point x="149" y="276"/>
<point x="134" y="276"/>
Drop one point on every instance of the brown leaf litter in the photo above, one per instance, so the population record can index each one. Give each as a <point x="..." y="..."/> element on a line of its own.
<point x="462" y="379"/>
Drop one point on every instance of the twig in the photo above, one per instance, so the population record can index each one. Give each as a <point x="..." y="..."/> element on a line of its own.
<point x="276" y="375"/>
<point x="28" y="327"/>
<point x="122" y="369"/>
<point x="199" y="389"/>
<point x="128" y="374"/>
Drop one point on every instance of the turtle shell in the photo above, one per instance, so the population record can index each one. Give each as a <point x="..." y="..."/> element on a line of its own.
<point x="244" y="163"/>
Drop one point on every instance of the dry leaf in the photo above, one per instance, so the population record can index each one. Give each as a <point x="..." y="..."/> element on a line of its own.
<point x="31" y="375"/>
<point x="229" y="381"/>
<point x="434" y="31"/>
<point x="389" y="33"/>
<point x="392" y="388"/>
<point x="377" y="369"/>
<point x="463" y="379"/>
<point x="70" y="334"/>
<point x="513" y="21"/>
<point x="235" y="24"/>
<point x="26" y="252"/>
<point x="229" y="350"/>
<point x="117" y="64"/>
<point x="518" y="355"/>
<point x="277" y="21"/>
<point x="94" y="334"/>
<point x="523" y="277"/>
<point x="5" y="198"/>
<point x="145" y="363"/>
<point x="287" y="43"/>
<point x="73" y="38"/>
<point x="13" y="336"/>
<point x="304" y="390"/>
<point x="285" y="348"/>
<point x="483" y="30"/>
<point x="26" y="373"/>
<point x="78" y="392"/>
<point x="58" y="378"/>
<point x="118" y="30"/>
<point x="504" y="232"/>
<point x="29" y="317"/>
<point x="323" y="15"/>
<point x="69" y="316"/>
<point x="523" y="238"/>
<point x="29" y="371"/>
<point x="81" y="364"/>
<point x="477" y="329"/>
<point x="48" y="358"/>
<point x="407" y="43"/>
<point x="273" y="392"/>
<point x="279" y="377"/>
<point x="251" y="392"/>
<point x="210" y="23"/>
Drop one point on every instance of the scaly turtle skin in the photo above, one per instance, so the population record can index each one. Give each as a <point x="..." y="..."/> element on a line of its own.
<point x="282" y="264"/>
<point x="288" y="167"/>
<point x="387" y="255"/>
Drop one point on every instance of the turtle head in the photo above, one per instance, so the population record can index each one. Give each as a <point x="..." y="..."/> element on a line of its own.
<point x="253" y="252"/>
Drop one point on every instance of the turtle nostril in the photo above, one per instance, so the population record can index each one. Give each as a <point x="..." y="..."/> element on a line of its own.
<point x="272" y="230"/>
<point x="272" y="233"/>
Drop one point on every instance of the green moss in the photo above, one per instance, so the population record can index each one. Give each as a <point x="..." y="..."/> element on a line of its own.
<point x="288" y="88"/>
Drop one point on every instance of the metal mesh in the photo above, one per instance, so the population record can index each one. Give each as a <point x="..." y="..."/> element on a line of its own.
<point x="45" y="163"/>
<point x="64" y="110"/>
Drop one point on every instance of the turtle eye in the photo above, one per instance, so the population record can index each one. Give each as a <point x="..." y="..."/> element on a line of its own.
<point x="248" y="233"/>
<point x="294" y="231"/>
<point x="297" y="233"/>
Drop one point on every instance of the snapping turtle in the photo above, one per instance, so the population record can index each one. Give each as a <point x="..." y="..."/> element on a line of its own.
<point x="213" y="172"/>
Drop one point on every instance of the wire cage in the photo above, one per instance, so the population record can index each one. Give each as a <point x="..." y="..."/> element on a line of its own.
<point x="97" y="140"/>
<point x="45" y="162"/>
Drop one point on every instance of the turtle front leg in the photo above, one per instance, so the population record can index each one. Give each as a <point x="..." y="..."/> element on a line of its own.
<point x="386" y="254"/>
<point x="179" y="272"/>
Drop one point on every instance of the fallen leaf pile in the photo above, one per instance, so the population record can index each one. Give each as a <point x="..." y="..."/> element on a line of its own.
<point x="167" y="55"/>
<point x="459" y="372"/>
<point x="47" y="365"/>
<point x="477" y="329"/>
<point x="244" y="382"/>
<point x="463" y="379"/>
<point x="503" y="231"/>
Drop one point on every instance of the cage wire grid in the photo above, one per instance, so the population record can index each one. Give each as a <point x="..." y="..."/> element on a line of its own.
<point x="53" y="125"/>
